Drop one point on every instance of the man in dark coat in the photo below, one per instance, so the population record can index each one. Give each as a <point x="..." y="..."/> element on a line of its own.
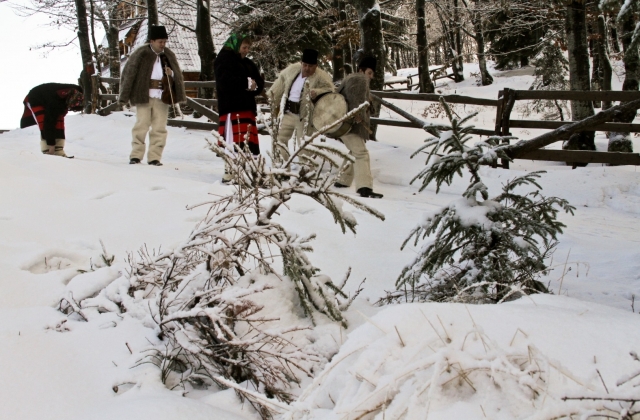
<point x="238" y="82"/>
<point x="142" y="87"/>
<point x="355" y="89"/>
<point x="46" y="105"/>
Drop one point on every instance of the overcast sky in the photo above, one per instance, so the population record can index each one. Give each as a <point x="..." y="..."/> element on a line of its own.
<point x="24" y="67"/>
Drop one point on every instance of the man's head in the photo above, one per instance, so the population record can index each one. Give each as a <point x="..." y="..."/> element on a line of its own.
<point x="158" y="37"/>
<point x="309" y="62"/>
<point x="368" y="67"/>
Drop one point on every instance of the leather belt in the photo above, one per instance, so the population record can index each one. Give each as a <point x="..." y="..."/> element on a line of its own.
<point x="155" y="84"/>
<point x="293" y="107"/>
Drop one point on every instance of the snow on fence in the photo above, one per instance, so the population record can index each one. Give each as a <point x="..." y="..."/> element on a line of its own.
<point x="503" y="122"/>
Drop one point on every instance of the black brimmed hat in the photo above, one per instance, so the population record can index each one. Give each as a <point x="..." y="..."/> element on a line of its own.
<point x="310" y="56"/>
<point x="157" y="32"/>
<point x="368" y="63"/>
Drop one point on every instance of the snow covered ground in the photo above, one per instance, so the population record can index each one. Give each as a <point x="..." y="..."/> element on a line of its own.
<point x="54" y="212"/>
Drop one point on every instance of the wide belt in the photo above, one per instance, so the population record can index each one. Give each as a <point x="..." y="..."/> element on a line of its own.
<point x="155" y="84"/>
<point x="293" y="107"/>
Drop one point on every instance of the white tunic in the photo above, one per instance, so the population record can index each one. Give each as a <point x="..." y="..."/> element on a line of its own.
<point x="296" y="88"/>
<point x="156" y="74"/>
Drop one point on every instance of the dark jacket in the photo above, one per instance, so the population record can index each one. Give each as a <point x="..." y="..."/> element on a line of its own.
<point x="136" y="76"/>
<point x="355" y="89"/>
<point x="48" y="102"/>
<point x="232" y="72"/>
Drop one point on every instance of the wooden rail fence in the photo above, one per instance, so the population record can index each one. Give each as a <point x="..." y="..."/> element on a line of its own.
<point x="503" y="121"/>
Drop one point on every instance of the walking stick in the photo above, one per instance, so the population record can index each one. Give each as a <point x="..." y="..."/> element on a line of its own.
<point x="177" y="108"/>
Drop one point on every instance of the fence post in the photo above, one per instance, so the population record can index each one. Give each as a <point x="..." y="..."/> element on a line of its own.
<point x="95" y="91"/>
<point x="498" y="126"/>
<point x="508" y="100"/>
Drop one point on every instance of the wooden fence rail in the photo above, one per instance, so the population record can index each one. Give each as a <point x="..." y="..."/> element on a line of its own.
<point x="503" y="123"/>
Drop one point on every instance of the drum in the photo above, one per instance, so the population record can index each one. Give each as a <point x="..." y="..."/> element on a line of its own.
<point x="328" y="109"/>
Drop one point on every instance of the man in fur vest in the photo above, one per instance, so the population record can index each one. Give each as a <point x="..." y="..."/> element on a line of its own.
<point x="355" y="89"/>
<point x="296" y="84"/>
<point x="46" y="105"/>
<point x="142" y="86"/>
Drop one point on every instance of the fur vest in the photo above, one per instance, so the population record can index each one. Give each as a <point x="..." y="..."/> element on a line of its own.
<point x="355" y="89"/>
<point x="136" y="76"/>
<point x="320" y="82"/>
<point x="232" y="73"/>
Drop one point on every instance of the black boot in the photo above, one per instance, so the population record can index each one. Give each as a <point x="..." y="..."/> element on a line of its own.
<point x="339" y="185"/>
<point x="368" y="193"/>
<point x="134" y="161"/>
<point x="155" y="163"/>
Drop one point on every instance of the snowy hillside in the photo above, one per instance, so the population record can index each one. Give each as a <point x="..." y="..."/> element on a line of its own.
<point x="54" y="212"/>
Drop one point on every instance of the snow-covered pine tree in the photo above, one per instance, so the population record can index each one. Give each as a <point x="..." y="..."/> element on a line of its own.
<point x="480" y="249"/>
<point x="550" y="74"/>
<point x="232" y="302"/>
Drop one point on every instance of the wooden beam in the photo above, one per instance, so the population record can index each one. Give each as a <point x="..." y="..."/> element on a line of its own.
<point x="577" y="95"/>
<point x="409" y="124"/>
<point x="209" y="113"/>
<point x="582" y="156"/>
<point x="566" y="130"/>
<point x="107" y="109"/>
<point x="615" y="127"/>
<point x="209" y="102"/>
<point x="109" y="80"/>
<point x="212" y="84"/>
<point x="434" y="97"/>
<point x="195" y="125"/>
<point x="108" y="96"/>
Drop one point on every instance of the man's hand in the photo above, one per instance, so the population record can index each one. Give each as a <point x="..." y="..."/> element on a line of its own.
<point x="313" y="94"/>
<point x="357" y="119"/>
<point x="253" y="85"/>
<point x="168" y="71"/>
<point x="52" y="150"/>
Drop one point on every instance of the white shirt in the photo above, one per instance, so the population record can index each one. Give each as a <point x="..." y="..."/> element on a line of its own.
<point x="296" y="88"/>
<point x="156" y="74"/>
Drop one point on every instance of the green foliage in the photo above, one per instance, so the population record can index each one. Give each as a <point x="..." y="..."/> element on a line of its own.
<point x="479" y="249"/>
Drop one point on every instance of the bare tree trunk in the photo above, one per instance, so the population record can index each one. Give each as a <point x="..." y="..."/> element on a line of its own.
<point x="576" y="27"/>
<point x="485" y="76"/>
<point x="605" y="64"/>
<point x="425" y="82"/>
<point x="337" y="58"/>
<point x="85" y="52"/>
<point x="372" y="44"/>
<point x="614" y="38"/>
<point x="455" y="25"/>
<point x="371" y="40"/>
<point x="93" y="37"/>
<point x="152" y="13"/>
<point x="112" y="33"/>
<point x="206" y="48"/>
<point x="449" y="39"/>
<point x="348" y="58"/>
<point x="621" y="142"/>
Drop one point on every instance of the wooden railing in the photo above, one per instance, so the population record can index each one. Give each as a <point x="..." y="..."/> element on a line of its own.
<point x="503" y="122"/>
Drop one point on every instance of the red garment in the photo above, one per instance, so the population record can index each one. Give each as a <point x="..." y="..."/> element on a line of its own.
<point x="36" y="113"/>
<point x="242" y="123"/>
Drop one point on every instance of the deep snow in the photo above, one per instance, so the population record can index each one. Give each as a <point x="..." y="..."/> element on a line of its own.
<point x="54" y="212"/>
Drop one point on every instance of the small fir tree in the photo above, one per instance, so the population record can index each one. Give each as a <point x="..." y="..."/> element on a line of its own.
<point x="209" y="298"/>
<point x="550" y="74"/>
<point x="480" y="249"/>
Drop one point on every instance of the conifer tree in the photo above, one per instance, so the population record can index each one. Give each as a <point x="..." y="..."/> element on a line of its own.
<point x="480" y="249"/>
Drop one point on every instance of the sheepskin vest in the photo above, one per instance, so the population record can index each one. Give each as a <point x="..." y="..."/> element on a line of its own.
<point x="136" y="76"/>
<point x="320" y="82"/>
<point x="355" y="89"/>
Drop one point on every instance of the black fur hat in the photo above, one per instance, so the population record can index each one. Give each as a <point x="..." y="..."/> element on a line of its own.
<point x="157" y="32"/>
<point x="368" y="63"/>
<point x="310" y="56"/>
